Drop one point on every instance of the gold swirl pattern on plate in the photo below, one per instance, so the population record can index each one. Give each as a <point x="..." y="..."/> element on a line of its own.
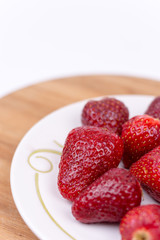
<point x="37" y="180"/>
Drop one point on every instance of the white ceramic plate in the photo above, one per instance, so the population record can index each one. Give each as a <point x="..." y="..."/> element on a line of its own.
<point x="34" y="177"/>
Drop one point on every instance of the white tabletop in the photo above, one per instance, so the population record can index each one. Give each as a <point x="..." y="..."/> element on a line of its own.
<point x="41" y="40"/>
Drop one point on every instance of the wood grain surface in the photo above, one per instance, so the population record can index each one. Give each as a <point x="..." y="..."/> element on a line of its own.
<point x="20" y="110"/>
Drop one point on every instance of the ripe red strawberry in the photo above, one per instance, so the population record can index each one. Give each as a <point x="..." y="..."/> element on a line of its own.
<point x="140" y="135"/>
<point x="141" y="223"/>
<point x="88" y="153"/>
<point x="108" y="113"/>
<point x="108" y="198"/>
<point x="147" y="171"/>
<point x="154" y="108"/>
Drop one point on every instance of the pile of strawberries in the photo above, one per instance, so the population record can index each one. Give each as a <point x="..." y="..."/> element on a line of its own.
<point x="90" y="175"/>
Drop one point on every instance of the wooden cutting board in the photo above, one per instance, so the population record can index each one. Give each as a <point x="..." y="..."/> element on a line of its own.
<point x="20" y="110"/>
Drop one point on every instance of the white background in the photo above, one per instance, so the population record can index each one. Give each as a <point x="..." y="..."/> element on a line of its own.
<point x="41" y="40"/>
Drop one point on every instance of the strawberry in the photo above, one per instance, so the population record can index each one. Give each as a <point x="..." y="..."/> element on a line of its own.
<point x="141" y="223"/>
<point x="108" y="198"/>
<point x="88" y="153"/>
<point x="147" y="171"/>
<point x="154" y="108"/>
<point x="140" y="134"/>
<point x="108" y="113"/>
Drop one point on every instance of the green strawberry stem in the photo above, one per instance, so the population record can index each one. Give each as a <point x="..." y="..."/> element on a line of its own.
<point x="141" y="234"/>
